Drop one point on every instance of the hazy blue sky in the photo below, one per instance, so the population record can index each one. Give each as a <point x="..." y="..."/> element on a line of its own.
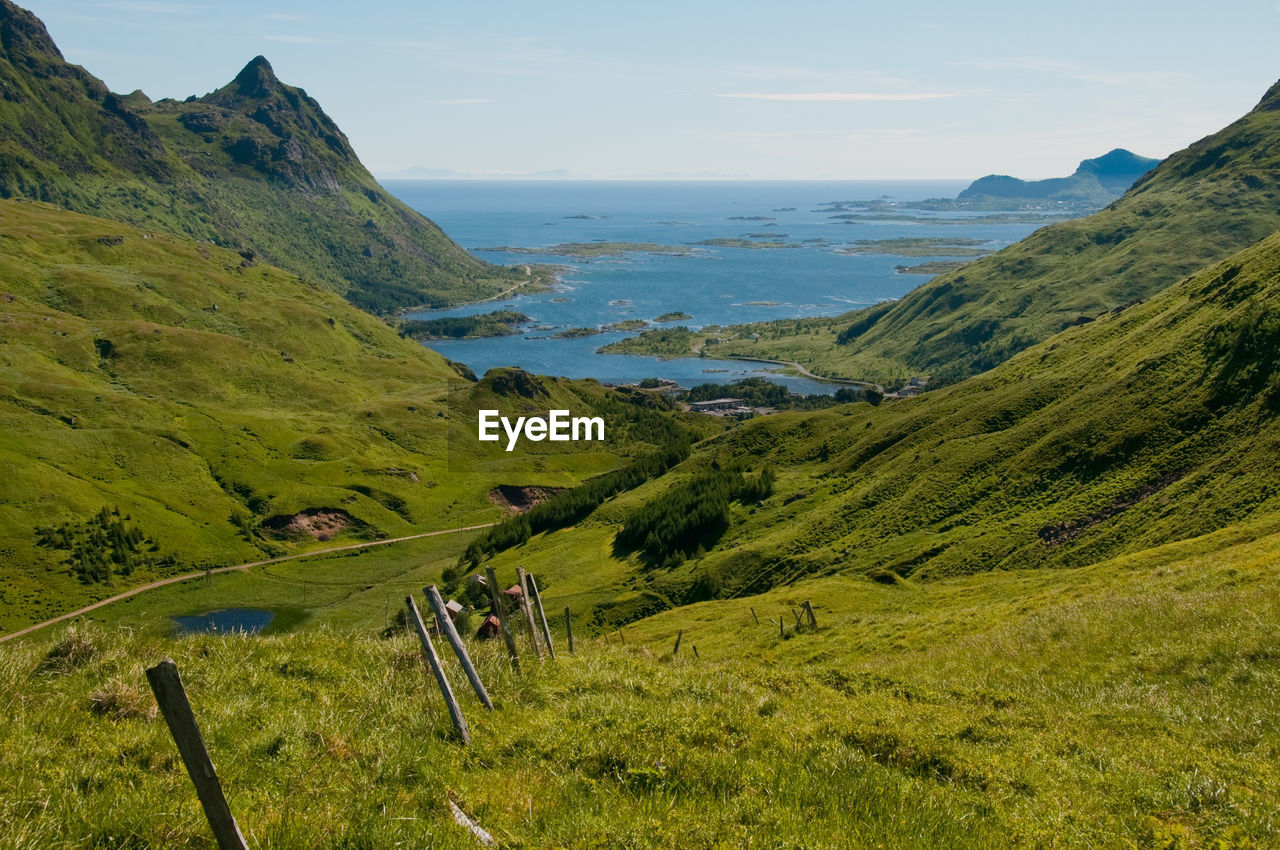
<point x="783" y="89"/>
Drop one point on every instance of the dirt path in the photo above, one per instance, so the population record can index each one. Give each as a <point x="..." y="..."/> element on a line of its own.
<point x="187" y="576"/>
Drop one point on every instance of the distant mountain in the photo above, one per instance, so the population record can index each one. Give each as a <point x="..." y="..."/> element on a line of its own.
<point x="1098" y="180"/>
<point x="256" y="165"/>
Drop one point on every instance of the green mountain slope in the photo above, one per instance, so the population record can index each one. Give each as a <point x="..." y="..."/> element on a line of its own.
<point x="1200" y="205"/>
<point x="256" y="166"/>
<point x="1127" y="704"/>
<point x="224" y="407"/>
<point x="1149" y="425"/>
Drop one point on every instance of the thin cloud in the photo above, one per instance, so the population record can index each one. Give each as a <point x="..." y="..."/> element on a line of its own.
<point x="1074" y="71"/>
<point x="148" y="7"/>
<point x="301" y="39"/>
<point x="843" y="96"/>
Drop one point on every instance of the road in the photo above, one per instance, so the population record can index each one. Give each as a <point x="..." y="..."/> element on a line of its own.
<point x="848" y="382"/>
<point x="187" y="576"/>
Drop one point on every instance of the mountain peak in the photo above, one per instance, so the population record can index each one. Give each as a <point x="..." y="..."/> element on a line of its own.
<point x="257" y="79"/>
<point x="23" y="34"/>
<point x="1270" y="101"/>
<point x="1117" y="169"/>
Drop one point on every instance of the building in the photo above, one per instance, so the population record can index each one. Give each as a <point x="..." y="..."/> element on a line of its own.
<point x="490" y="628"/>
<point x="716" y="404"/>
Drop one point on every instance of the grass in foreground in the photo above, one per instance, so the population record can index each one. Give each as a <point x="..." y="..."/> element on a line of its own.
<point x="1131" y="703"/>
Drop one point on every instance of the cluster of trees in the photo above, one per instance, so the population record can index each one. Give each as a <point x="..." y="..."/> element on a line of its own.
<point x="497" y="323"/>
<point x="571" y="506"/>
<point x="102" y="546"/>
<point x="691" y="514"/>
<point x="761" y="392"/>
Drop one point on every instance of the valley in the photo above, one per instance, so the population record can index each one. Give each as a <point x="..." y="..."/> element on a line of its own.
<point x="989" y="559"/>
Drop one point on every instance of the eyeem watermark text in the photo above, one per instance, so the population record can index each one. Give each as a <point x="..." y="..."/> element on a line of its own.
<point x="558" y="426"/>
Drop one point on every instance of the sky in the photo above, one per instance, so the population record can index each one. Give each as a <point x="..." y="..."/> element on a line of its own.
<point x="789" y="89"/>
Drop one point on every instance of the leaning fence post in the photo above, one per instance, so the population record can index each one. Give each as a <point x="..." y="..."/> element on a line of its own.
<point x="754" y="617"/>
<point x="455" y="712"/>
<point x="542" y="615"/>
<point x="676" y="650"/>
<point x="527" y="610"/>
<point x="568" y="627"/>
<point x="813" y="620"/>
<point x="500" y="609"/>
<point x="459" y="649"/>
<point x="166" y="684"/>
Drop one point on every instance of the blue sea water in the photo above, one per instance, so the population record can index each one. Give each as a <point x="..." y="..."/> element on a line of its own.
<point x="716" y="285"/>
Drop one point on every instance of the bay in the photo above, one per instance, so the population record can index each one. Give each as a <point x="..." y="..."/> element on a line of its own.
<point x="716" y="284"/>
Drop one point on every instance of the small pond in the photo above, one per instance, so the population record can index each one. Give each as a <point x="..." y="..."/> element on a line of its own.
<point x="247" y="620"/>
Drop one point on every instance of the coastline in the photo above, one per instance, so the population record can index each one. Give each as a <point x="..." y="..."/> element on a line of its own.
<point x="799" y="371"/>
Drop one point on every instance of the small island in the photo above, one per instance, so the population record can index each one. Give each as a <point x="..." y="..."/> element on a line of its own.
<point x="592" y="250"/>
<point x="576" y="333"/>
<point x="932" y="267"/>
<point x="925" y="246"/>
<point x="497" y="323"/>
<point x="665" y="343"/>
<point x="744" y="243"/>
<point x="627" y="325"/>
<point x="676" y="316"/>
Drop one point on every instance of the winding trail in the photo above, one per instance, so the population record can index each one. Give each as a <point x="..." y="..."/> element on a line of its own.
<point x="202" y="573"/>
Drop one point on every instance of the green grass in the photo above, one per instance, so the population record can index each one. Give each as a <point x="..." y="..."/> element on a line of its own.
<point x="1150" y="425"/>
<point x="1130" y="703"/>
<point x="202" y="396"/>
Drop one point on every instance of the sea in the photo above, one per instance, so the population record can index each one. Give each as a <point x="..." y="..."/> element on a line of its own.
<point x="715" y="284"/>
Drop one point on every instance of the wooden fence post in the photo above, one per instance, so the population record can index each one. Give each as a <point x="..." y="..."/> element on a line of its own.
<point x="813" y="620"/>
<point x="455" y="712"/>
<point x="527" y="609"/>
<point x="568" y="627"/>
<point x="166" y="684"/>
<point x="676" y="650"/>
<point x="459" y="649"/>
<point x="500" y="610"/>
<point x="695" y="650"/>
<point x="542" y="615"/>
<point x="754" y="617"/>
<point x="782" y="626"/>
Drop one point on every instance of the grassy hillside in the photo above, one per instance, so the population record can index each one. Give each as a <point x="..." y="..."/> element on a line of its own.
<point x="1148" y="425"/>
<point x="1126" y="704"/>
<point x="211" y="399"/>
<point x="256" y="166"/>
<point x="1199" y="206"/>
